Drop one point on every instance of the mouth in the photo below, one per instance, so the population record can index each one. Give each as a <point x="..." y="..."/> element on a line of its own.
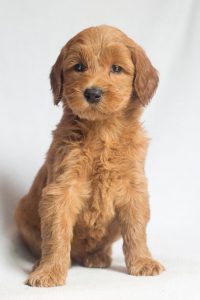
<point x="92" y="112"/>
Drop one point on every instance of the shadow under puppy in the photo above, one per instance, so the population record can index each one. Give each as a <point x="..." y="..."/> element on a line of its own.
<point x="92" y="187"/>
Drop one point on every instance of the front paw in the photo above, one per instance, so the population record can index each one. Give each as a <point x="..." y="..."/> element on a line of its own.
<point x="46" y="276"/>
<point x="145" y="267"/>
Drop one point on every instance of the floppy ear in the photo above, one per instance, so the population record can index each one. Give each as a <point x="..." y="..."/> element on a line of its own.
<point x="56" y="79"/>
<point x="146" y="76"/>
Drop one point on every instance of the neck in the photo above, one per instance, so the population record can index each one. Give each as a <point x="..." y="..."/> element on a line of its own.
<point x="108" y="130"/>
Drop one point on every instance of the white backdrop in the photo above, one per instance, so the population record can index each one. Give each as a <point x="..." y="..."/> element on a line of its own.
<point x="32" y="34"/>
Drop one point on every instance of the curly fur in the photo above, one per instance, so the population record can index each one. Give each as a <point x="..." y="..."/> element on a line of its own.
<point x="92" y="188"/>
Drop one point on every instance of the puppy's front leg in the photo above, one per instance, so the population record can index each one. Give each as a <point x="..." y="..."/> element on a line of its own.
<point x="58" y="209"/>
<point x="133" y="216"/>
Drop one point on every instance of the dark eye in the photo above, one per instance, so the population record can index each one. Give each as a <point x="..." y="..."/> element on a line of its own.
<point x="79" y="68"/>
<point x="116" y="69"/>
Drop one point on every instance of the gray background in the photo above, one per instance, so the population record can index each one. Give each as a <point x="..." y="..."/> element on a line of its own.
<point x="32" y="34"/>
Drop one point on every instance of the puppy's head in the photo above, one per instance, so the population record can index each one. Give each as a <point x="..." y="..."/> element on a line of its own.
<point x="100" y="72"/>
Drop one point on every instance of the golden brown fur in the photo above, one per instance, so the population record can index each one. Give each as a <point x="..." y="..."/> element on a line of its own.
<point x="92" y="187"/>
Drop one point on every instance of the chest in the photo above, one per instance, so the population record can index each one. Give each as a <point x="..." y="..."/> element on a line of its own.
<point x="103" y="166"/>
<point x="102" y="176"/>
<point x="99" y="208"/>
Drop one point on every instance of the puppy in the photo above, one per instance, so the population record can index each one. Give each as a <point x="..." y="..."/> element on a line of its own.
<point x="92" y="188"/>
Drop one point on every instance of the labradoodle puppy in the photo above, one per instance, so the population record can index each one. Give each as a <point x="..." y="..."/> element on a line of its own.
<point x="92" y="188"/>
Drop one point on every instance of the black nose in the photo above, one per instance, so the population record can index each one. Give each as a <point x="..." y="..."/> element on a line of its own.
<point x="93" y="95"/>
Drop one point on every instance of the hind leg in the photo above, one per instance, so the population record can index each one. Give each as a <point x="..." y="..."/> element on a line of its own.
<point x="93" y="253"/>
<point x="29" y="230"/>
<point x="27" y="216"/>
<point x="98" y="259"/>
